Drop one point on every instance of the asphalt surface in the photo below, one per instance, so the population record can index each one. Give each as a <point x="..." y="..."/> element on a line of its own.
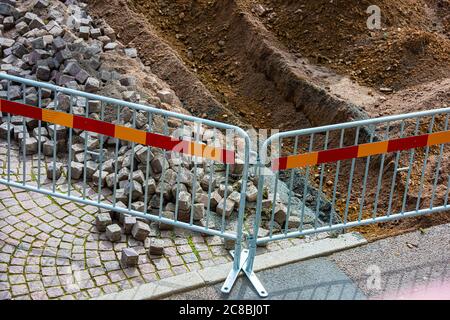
<point x="412" y="262"/>
<point x="316" y="279"/>
<point x="413" y="265"/>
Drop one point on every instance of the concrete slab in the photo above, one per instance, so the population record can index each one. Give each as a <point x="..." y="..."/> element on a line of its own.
<point x="162" y="288"/>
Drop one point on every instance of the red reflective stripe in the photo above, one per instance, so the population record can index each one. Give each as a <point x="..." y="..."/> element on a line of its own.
<point x="108" y="129"/>
<point x="407" y="143"/>
<point x="279" y="164"/>
<point x="227" y="156"/>
<point x="164" y="142"/>
<point x="21" y="109"/>
<point x="334" y="155"/>
<point x="92" y="125"/>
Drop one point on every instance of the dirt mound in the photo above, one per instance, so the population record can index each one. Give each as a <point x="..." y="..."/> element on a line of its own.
<point x="408" y="58"/>
<point x="288" y="64"/>
<point x="241" y="63"/>
<point x="209" y="38"/>
<point x="133" y="30"/>
<point x="411" y="48"/>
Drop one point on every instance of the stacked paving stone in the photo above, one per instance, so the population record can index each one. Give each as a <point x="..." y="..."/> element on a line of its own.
<point x="60" y="44"/>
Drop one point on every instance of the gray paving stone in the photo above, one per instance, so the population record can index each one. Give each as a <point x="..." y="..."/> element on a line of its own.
<point x="140" y="231"/>
<point x="225" y="207"/>
<point x="199" y="211"/>
<point x="164" y="226"/>
<point x="92" y="85"/>
<point x="128" y="223"/>
<point x="103" y="220"/>
<point x="156" y="247"/>
<point x="54" y="169"/>
<point x="129" y="257"/>
<point x="113" y="232"/>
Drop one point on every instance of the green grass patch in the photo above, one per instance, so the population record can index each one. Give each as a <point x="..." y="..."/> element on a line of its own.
<point x="194" y="249"/>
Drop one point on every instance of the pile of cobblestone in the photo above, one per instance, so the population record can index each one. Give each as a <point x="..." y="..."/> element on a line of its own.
<point x="58" y="43"/>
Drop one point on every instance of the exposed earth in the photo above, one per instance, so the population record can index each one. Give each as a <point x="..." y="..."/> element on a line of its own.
<point x="277" y="64"/>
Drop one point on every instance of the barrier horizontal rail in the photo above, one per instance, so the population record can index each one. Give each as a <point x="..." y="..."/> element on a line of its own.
<point x="118" y="131"/>
<point x="360" y="151"/>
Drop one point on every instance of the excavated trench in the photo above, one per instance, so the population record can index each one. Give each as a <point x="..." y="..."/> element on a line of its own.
<point x="225" y="63"/>
<point x="240" y="72"/>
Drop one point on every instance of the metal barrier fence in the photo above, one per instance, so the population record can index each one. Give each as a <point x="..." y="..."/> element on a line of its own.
<point x="124" y="157"/>
<point x="399" y="158"/>
<point x="154" y="164"/>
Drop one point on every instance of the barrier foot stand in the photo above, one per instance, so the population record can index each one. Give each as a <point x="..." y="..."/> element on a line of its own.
<point x="232" y="276"/>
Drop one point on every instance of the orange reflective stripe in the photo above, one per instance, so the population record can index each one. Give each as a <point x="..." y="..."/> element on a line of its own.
<point x="212" y="153"/>
<point x="370" y="149"/>
<point x="438" y="138"/>
<point x="130" y="134"/>
<point x="196" y="149"/>
<point x="302" y="160"/>
<point x="56" y="117"/>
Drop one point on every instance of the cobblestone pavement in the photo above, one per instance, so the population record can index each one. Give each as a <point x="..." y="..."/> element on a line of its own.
<point x="50" y="248"/>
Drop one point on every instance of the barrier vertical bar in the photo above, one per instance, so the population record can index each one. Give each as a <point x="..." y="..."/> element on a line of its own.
<point x="380" y="176"/>
<point x="8" y="134"/>
<point x="147" y="164"/>
<point x="319" y="191"/>
<point x="163" y="174"/>
<point x="411" y="159"/>
<point x="24" y="139"/>
<point x="100" y="170"/>
<point x="69" y="164"/>
<point x="393" y="182"/>
<point x="306" y="182"/>
<point x="116" y="155"/>
<point x="291" y="185"/>
<point x="39" y="140"/>
<point x="352" y="171"/>
<point x="130" y="177"/>
<point x="438" y="166"/>
<point x="336" y="179"/>
<point x="425" y="161"/>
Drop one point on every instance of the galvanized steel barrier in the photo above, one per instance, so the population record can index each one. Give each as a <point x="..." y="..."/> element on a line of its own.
<point x="399" y="158"/>
<point x="319" y="179"/>
<point x="62" y="109"/>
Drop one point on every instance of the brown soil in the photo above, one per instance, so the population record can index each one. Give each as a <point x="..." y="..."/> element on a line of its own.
<point x="297" y="64"/>
<point x="209" y="43"/>
<point x="413" y="46"/>
<point x="243" y="65"/>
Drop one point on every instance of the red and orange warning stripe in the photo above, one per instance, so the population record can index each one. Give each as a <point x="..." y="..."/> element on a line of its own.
<point x="360" y="151"/>
<point x="118" y="131"/>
